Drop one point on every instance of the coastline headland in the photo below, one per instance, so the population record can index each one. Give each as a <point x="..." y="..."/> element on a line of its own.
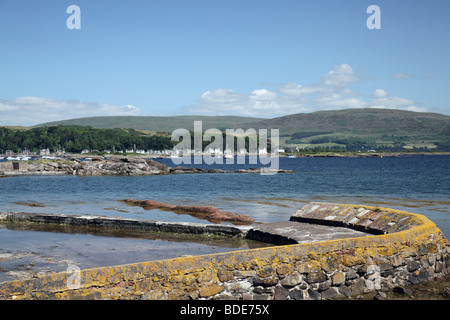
<point x="390" y="249"/>
<point x="127" y="166"/>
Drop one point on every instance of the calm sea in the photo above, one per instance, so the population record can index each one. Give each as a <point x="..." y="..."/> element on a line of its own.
<point x="419" y="184"/>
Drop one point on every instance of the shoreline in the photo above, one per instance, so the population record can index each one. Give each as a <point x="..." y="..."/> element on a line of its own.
<point x="131" y="165"/>
<point x="367" y="154"/>
<point x="122" y="166"/>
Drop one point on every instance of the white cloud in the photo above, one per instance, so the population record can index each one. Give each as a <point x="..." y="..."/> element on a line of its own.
<point x="263" y="95"/>
<point x="35" y="110"/>
<point x="331" y="92"/>
<point x="381" y="99"/>
<point x="341" y="75"/>
<point x="379" y="93"/>
<point x="429" y="75"/>
<point x="340" y="101"/>
<point x="295" y="89"/>
<point x="220" y="96"/>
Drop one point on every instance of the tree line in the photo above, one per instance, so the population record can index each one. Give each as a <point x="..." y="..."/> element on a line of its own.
<point x="74" y="139"/>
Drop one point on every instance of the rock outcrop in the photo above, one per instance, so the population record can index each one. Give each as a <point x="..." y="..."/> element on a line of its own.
<point x="119" y="166"/>
<point x="125" y="166"/>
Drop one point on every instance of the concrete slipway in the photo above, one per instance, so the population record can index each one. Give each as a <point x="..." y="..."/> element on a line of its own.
<point x="44" y="243"/>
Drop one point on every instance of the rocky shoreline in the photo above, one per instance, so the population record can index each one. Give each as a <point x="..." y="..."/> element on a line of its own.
<point x="124" y="166"/>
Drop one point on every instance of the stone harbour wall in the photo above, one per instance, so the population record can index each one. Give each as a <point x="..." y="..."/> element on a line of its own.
<point x="403" y="248"/>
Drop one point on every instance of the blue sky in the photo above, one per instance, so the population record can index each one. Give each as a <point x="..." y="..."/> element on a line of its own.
<point x="262" y="58"/>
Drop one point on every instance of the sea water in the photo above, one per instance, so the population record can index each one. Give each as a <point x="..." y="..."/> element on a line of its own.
<point x="419" y="184"/>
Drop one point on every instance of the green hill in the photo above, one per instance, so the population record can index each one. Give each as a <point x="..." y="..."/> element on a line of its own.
<point x="350" y="129"/>
<point x="357" y="128"/>
<point x="363" y="121"/>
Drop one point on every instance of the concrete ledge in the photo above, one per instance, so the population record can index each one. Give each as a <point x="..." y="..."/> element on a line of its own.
<point x="292" y="232"/>
<point x="410" y="250"/>
<point x="374" y="220"/>
<point x="123" y="224"/>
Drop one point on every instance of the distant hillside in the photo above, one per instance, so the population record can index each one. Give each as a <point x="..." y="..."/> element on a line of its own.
<point x="357" y="128"/>
<point x="349" y="129"/>
<point x="361" y="121"/>
<point x="151" y="123"/>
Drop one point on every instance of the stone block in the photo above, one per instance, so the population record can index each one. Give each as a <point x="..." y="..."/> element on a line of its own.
<point x="303" y="267"/>
<point x="358" y="286"/>
<point x="261" y="290"/>
<point x="413" y="265"/>
<point x="177" y="294"/>
<point x="397" y="260"/>
<point x="384" y="266"/>
<point x="338" y="279"/>
<point x="412" y="279"/>
<point x="247" y="296"/>
<point x="408" y="252"/>
<point x="210" y="289"/>
<point x="296" y="294"/>
<point x="225" y="296"/>
<point x="280" y="293"/>
<point x="322" y="286"/>
<point x="239" y="286"/>
<point x="330" y="263"/>
<point x="284" y="269"/>
<point x="291" y="280"/>
<point x="315" y="277"/>
<point x="423" y="249"/>
<point x="225" y="275"/>
<point x="265" y="282"/>
<point x="423" y="276"/>
<point x="372" y="285"/>
<point x="351" y="274"/>
<point x="439" y="266"/>
<point x="313" y="294"/>
<point x="345" y="290"/>
<point x="265" y="272"/>
<point x="330" y="293"/>
<point x="263" y="296"/>
<point x="242" y="274"/>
